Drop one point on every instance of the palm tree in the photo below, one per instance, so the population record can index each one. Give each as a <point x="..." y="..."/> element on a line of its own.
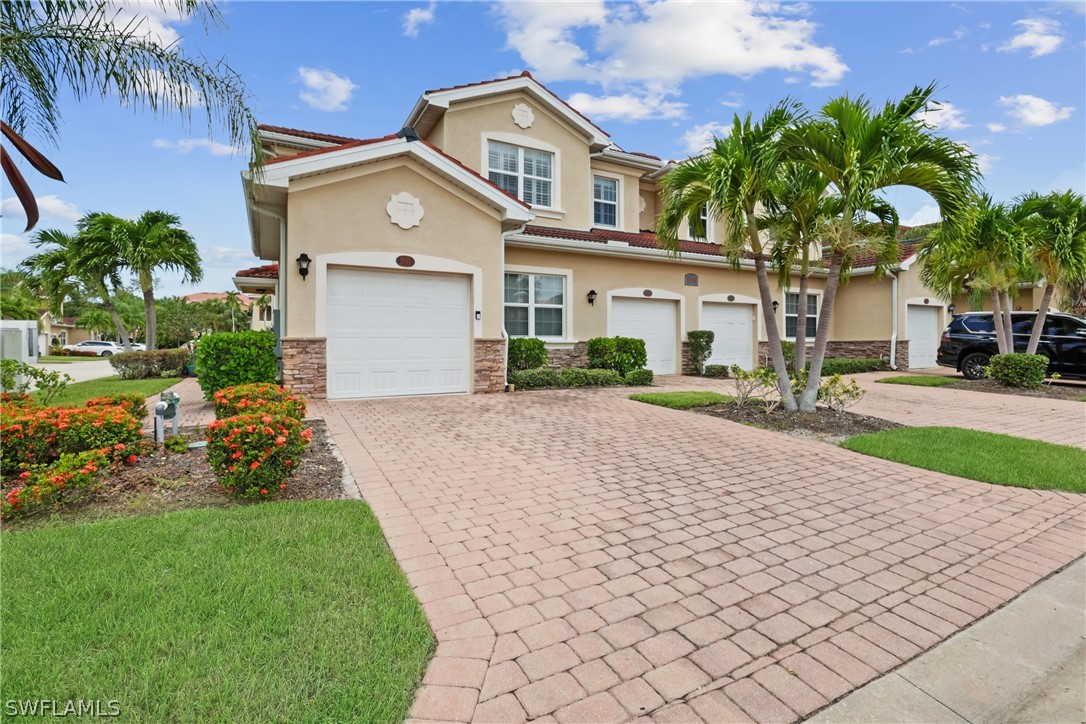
<point x="153" y="242"/>
<point x="796" y="215"/>
<point x="98" y="321"/>
<point x="82" y="48"/>
<point x="733" y="179"/>
<point x="17" y="299"/>
<point x="233" y="303"/>
<point x="259" y="305"/>
<point x="862" y="151"/>
<point x="1055" y="242"/>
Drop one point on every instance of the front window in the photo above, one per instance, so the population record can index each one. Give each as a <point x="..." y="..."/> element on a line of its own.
<point x="523" y="172"/>
<point x="604" y="201"/>
<point x="535" y="305"/>
<point x="791" y="315"/>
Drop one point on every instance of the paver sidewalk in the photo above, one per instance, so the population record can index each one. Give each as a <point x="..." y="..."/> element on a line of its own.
<point x="588" y="558"/>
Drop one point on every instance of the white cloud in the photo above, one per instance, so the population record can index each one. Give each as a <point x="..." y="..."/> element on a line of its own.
<point x="733" y="100"/>
<point x="926" y="214"/>
<point x="325" y="90"/>
<point x="953" y="38"/>
<point x="627" y="106"/>
<point x="1034" y="111"/>
<point x="698" y="138"/>
<point x="943" y="116"/>
<point x="13" y="249"/>
<point x="997" y="127"/>
<point x="1041" y="37"/>
<point x="50" y="207"/>
<point x="416" y="17"/>
<point x="227" y="257"/>
<point x="188" y="145"/>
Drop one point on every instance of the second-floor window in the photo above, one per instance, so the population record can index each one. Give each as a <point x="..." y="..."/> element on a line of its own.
<point x="525" y="173"/>
<point x="604" y="201"/>
<point x="791" y="315"/>
<point x="707" y="222"/>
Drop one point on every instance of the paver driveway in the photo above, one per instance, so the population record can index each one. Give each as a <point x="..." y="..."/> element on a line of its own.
<point x="589" y="558"/>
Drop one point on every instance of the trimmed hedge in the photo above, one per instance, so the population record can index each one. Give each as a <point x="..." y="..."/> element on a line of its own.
<point x="544" y="378"/>
<point x="701" y="346"/>
<point x="156" y="363"/>
<point x="851" y="366"/>
<point x="716" y="371"/>
<point x="639" y="378"/>
<point x="621" y="354"/>
<point x="1018" y="370"/>
<point x="527" y="353"/>
<point x="226" y="359"/>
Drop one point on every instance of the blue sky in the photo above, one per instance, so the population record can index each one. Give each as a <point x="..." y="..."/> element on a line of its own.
<point x="659" y="77"/>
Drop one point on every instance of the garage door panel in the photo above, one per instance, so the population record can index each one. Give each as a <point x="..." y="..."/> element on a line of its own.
<point x="653" y="320"/>
<point x="733" y="329"/>
<point x="397" y="333"/>
<point x="922" y="327"/>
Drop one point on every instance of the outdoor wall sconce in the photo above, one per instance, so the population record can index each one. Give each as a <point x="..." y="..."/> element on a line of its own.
<point x="592" y="297"/>
<point x="950" y="309"/>
<point x="303" y="265"/>
<point x="478" y="315"/>
<point x="775" y="305"/>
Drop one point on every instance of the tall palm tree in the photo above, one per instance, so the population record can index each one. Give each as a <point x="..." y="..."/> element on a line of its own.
<point x="1055" y="241"/>
<point x="233" y="303"/>
<point x="153" y="242"/>
<point x="861" y="151"/>
<point x="733" y="179"/>
<point x="97" y="321"/>
<point x="259" y="305"/>
<point x="84" y="48"/>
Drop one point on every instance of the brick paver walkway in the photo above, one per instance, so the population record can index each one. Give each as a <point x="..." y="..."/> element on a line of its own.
<point x="582" y="557"/>
<point x="194" y="409"/>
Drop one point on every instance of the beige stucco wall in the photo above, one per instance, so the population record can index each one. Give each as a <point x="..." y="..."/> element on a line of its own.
<point x="460" y="134"/>
<point x="863" y="310"/>
<point x="650" y="193"/>
<point x="344" y="211"/>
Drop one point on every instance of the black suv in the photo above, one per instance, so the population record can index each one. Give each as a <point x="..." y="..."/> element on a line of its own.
<point x="970" y="340"/>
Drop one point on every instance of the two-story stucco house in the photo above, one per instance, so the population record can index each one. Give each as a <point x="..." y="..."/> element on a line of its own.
<point x="405" y="262"/>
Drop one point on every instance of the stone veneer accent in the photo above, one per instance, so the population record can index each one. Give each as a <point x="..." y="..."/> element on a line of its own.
<point x="490" y="365"/>
<point x="859" y="349"/>
<point x="305" y="366"/>
<point x="687" y="366"/>
<point x="575" y="356"/>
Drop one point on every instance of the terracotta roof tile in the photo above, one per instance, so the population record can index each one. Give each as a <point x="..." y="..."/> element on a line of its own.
<point x="268" y="271"/>
<point x="642" y="239"/>
<point x="904" y="251"/>
<point x="342" y="146"/>
<point x="311" y="135"/>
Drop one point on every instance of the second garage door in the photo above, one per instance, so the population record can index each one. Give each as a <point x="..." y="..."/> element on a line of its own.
<point x="922" y="326"/>
<point x="653" y="320"/>
<point x="397" y="333"/>
<point x="733" y="329"/>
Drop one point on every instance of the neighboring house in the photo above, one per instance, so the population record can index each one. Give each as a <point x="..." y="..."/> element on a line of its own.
<point x="56" y="331"/>
<point x="406" y="260"/>
<point x="255" y="283"/>
<point x="19" y="340"/>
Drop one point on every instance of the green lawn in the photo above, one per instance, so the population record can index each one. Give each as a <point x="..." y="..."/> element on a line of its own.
<point x="272" y="612"/>
<point x="682" y="400"/>
<point x="919" y="380"/>
<point x="52" y="360"/>
<point x="79" y="392"/>
<point x="984" y="456"/>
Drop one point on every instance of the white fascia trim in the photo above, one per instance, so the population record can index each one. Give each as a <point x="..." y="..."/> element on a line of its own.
<point x="291" y="140"/>
<point x="628" y="159"/>
<point x="239" y="282"/>
<point x="280" y="174"/>
<point x="442" y="99"/>
<point x="908" y="262"/>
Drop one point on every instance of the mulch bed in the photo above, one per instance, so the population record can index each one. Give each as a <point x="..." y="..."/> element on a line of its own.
<point x="164" y="481"/>
<point x="823" y="425"/>
<point x="1051" y="392"/>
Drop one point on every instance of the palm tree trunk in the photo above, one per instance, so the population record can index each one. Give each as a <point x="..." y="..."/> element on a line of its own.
<point x="1008" y="329"/>
<point x="772" y="332"/>
<point x="997" y="322"/>
<point x="108" y="301"/>
<point x="147" y="286"/>
<point x="1039" y="323"/>
<point x="801" y="325"/>
<point x="822" y="335"/>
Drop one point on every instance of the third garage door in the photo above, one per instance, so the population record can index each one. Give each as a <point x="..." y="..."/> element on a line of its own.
<point x="733" y="329"/>
<point x="653" y="320"/>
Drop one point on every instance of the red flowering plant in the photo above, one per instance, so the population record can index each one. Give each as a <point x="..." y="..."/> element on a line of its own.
<point x="133" y="403"/>
<point x="258" y="397"/>
<point x="35" y="436"/>
<point x="16" y="399"/>
<point x="255" y="454"/>
<point x="63" y="481"/>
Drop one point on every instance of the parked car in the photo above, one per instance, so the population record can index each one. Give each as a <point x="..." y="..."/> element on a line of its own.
<point x="139" y="347"/>
<point x="102" y="348"/>
<point x="969" y="341"/>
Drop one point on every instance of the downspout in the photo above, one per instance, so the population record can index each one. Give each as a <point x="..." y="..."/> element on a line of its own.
<point x="505" y="335"/>
<point x="893" y="327"/>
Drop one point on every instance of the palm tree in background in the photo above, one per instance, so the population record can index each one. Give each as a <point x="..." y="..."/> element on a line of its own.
<point x="153" y="242"/>
<point x="862" y="151"/>
<point x="233" y="303"/>
<point x="733" y="180"/>
<point x="89" y="48"/>
<point x="18" y="298"/>
<point x="97" y="321"/>
<point x="259" y="305"/>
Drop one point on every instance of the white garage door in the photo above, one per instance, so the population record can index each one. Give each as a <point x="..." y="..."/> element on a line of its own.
<point x="397" y="333"/>
<point x="733" y="327"/>
<point x="653" y="320"/>
<point x="922" y="326"/>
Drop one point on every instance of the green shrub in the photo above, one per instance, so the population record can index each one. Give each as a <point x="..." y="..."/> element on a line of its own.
<point x="156" y="363"/>
<point x="527" y="353"/>
<point x="838" y="395"/>
<point x="18" y="377"/>
<point x="640" y="378"/>
<point x="789" y="350"/>
<point x="134" y="404"/>
<point x="225" y="359"/>
<point x="62" y="481"/>
<point x="701" y="346"/>
<point x="716" y="370"/>
<point x="257" y="397"/>
<point x="256" y="454"/>
<point x="1018" y="370"/>
<point x="621" y="354"/>
<point x="850" y="366"/>
<point x="545" y="378"/>
<point x="541" y="378"/>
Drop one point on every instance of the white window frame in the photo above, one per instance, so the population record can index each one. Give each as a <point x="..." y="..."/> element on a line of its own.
<point x="617" y="202"/>
<point x="704" y="215"/>
<point x="522" y="142"/>
<point x="786" y="315"/>
<point x="567" y="315"/>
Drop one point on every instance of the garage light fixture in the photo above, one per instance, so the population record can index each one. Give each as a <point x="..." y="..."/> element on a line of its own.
<point x="592" y="296"/>
<point x="950" y="309"/>
<point x="775" y="305"/>
<point x="303" y="265"/>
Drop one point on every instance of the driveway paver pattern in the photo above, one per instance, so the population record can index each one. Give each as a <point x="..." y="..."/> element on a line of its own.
<point x="583" y="557"/>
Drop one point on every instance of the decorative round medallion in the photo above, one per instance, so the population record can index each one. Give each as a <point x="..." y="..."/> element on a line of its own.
<point x="405" y="210"/>
<point x="647" y="292"/>
<point x="523" y="115"/>
<point x="925" y="300"/>
<point x="406" y="261"/>
<point x="731" y="297"/>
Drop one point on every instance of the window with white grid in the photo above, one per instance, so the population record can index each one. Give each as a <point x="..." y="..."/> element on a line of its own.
<point x="791" y="315"/>
<point x="535" y="305"/>
<point x="525" y="173"/>
<point x="604" y="201"/>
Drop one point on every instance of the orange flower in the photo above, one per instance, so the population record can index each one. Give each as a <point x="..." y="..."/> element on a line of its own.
<point x="255" y="465"/>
